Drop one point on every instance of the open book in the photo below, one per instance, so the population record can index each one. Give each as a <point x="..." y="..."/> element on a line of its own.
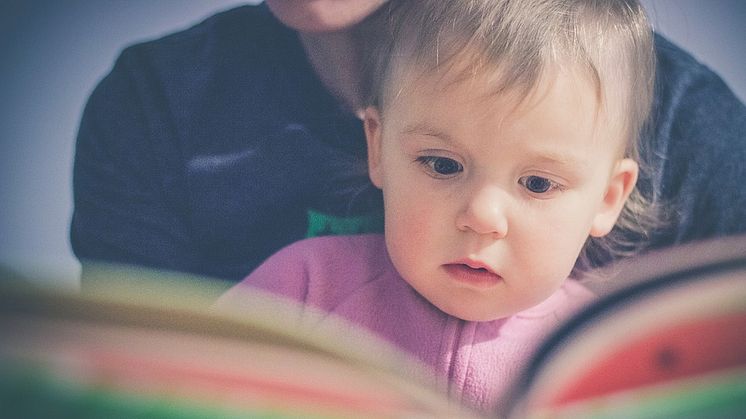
<point x="667" y="340"/>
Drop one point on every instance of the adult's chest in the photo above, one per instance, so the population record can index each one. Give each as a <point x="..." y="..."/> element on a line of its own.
<point x="250" y="193"/>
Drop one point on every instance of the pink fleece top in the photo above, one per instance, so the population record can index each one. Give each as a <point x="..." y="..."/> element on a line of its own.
<point x="353" y="277"/>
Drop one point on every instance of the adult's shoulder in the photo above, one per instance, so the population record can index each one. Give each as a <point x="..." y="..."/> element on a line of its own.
<point x="676" y="64"/>
<point x="691" y="99"/>
<point x="208" y="81"/>
<point x="219" y="48"/>
<point x="241" y="30"/>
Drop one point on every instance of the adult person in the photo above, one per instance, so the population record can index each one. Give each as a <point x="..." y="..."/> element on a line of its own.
<point x="209" y="149"/>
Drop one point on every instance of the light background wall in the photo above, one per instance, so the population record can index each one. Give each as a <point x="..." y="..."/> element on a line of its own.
<point x="53" y="53"/>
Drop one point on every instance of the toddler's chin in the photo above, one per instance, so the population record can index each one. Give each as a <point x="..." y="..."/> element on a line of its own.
<point x="474" y="314"/>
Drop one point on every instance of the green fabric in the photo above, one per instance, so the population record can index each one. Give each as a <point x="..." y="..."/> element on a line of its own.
<point x="320" y="224"/>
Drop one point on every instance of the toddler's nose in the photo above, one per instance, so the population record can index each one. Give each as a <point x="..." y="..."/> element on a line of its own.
<point x="484" y="213"/>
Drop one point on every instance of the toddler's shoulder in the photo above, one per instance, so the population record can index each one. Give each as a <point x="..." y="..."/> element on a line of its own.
<point x="359" y="246"/>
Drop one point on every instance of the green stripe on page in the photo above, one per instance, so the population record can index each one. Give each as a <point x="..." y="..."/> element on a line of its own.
<point x="719" y="395"/>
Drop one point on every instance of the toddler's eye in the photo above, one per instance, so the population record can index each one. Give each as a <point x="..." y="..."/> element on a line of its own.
<point x="441" y="166"/>
<point x="538" y="184"/>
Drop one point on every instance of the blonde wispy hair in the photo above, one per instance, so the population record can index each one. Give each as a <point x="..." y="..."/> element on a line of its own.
<point x="516" y="42"/>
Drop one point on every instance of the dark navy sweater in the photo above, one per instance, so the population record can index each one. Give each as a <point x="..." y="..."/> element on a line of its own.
<point x="205" y="150"/>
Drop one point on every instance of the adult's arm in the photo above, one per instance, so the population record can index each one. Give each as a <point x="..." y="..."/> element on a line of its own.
<point x="128" y="207"/>
<point x="697" y="151"/>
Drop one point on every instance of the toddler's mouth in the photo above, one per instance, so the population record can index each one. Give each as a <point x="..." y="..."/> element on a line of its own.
<point x="474" y="275"/>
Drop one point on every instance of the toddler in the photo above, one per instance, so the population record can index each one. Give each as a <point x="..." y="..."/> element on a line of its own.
<point x="503" y="135"/>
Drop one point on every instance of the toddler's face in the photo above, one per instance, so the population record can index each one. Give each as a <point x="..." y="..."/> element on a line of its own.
<point x="488" y="202"/>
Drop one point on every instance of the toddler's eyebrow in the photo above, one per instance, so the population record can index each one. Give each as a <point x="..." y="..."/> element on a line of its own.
<point x="422" y="128"/>
<point x="559" y="159"/>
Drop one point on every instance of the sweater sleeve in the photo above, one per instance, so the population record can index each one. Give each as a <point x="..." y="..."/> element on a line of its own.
<point x="125" y="210"/>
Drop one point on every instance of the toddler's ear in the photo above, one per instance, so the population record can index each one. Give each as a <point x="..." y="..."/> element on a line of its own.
<point x="621" y="184"/>
<point x="372" y="124"/>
